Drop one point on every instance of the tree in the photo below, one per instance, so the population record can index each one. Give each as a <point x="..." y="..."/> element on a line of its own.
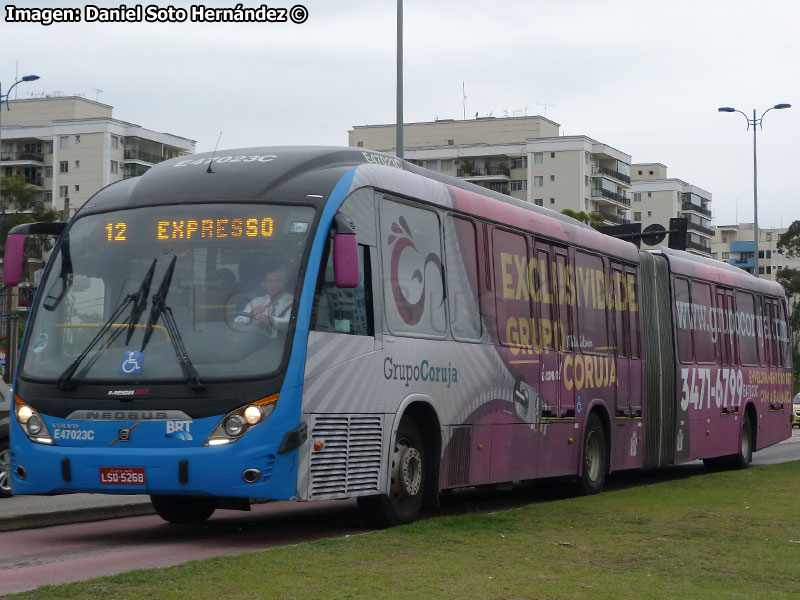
<point x="594" y="219"/>
<point x="789" y="242"/>
<point x="18" y="194"/>
<point x="19" y="206"/>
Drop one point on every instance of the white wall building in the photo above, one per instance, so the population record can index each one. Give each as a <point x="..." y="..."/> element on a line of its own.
<point x="70" y="147"/>
<point x="657" y="199"/>
<point x="735" y="244"/>
<point x="524" y="157"/>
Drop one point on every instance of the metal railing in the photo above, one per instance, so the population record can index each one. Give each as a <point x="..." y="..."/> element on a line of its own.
<point x="695" y="207"/>
<point x="695" y="227"/>
<point x="697" y="246"/>
<point x="615" y="219"/>
<point x="144" y="156"/>
<point x="597" y="192"/>
<point x="601" y="170"/>
<point x="31" y="156"/>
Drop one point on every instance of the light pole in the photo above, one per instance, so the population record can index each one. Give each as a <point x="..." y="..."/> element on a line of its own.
<point x="754" y="121"/>
<point x="10" y="324"/>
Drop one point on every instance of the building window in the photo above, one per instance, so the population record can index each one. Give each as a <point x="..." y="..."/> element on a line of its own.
<point x="726" y="255"/>
<point x="519" y="163"/>
<point x="77" y="188"/>
<point x="586" y="180"/>
<point x="77" y="139"/>
<point x="538" y="158"/>
<point x="48" y="172"/>
<point x="360" y="144"/>
<point x="538" y="180"/>
<point x="586" y="157"/>
<point x="451" y="142"/>
<point x="77" y="164"/>
<point x="649" y="194"/>
<point x="769" y="236"/>
<point x="769" y="253"/>
<point x="431" y="164"/>
<point x="48" y="197"/>
<point x="519" y="185"/>
<point x="446" y="165"/>
<point x="586" y="203"/>
<point x="63" y="142"/>
<point x="651" y="172"/>
<point x="637" y="196"/>
<point x="552" y="177"/>
<point x="48" y="147"/>
<point x="114" y="142"/>
<point x="63" y="191"/>
<point x="538" y="201"/>
<point x="114" y="166"/>
<point x="640" y="172"/>
<point x="63" y="166"/>
<point x="552" y="155"/>
<point x="760" y="270"/>
<point x="760" y="254"/>
<point x="769" y="270"/>
<point x="637" y="216"/>
<point x="715" y="256"/>
<point x="552" y="200"/>
<point x="649" y="213"/>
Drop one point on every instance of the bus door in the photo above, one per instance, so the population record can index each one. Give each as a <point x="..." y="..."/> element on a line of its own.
<point x="546" y="329"/>
<point x="726" y="351"/>
<point x="772" y="351"/>
<point x="630" y="313"/>
<point x="620" y="340"/>
<point x="564" y="316"/>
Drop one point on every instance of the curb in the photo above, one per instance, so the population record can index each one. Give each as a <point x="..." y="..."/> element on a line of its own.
<point x="69" y="517"/>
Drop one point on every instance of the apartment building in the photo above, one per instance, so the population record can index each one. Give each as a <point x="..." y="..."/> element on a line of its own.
<point x="657" y="199"/>
<point x="70" y="147"/>
<point x="524" y="157"/>
<point x="735" y="244"/>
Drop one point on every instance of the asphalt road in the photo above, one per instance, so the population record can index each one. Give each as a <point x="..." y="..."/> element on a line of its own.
<point x="52" y="554"/>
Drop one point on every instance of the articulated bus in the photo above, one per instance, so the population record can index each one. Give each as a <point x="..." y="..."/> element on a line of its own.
<point x="435" y="335"/>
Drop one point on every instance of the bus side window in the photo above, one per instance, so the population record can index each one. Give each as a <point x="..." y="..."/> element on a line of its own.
<point x="343" y="310"/>
<point x="684" y="322"/>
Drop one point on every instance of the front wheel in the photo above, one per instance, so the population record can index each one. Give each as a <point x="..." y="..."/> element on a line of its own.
<point x="407" y="473"/>
<point x="745" y="456"/>
<point x="5" y="469"/>
<point x="595" y="458"/>
<point x="184" y="509"/>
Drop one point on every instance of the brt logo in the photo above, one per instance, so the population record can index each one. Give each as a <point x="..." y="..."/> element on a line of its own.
<point x="179" y="430"/>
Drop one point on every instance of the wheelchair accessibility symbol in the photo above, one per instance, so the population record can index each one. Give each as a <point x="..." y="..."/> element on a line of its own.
<point x="131" y="363"/>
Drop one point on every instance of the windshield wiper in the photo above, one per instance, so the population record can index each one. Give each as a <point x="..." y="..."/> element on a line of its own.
<point x="139" y="301"/>
<point x="159" y="308"/>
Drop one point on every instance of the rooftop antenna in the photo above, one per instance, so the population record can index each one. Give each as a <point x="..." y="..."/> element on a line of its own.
<point x="97" y="93"/>
<point x="211" y="162"/>
<point x="464" y="99"/>
<point x="545" y="104"/>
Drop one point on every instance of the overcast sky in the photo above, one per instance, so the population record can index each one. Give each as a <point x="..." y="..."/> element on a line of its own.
<point x="644" y="77"/>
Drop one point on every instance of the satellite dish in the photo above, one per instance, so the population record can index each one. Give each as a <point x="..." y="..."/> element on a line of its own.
<point x="653" y="234"/>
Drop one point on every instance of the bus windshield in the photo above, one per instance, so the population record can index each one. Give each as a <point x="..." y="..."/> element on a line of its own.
<point x="227" y="273"/>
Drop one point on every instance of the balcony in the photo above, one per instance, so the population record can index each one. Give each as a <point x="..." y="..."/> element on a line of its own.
<point x="609" y="195"/>
<point x="696" y="208"/>
<point x="702" y="248"/>
<point x="700" y="229"/>
<point x="468" y="172"/>
<point x="143" y="156"/>
<point x="601" y="170"/>
<point x="615" y="219"/>
<point x="36" y="157"/>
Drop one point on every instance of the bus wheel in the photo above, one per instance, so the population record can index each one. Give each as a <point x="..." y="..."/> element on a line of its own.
<point x="745" y="455"/>
<point x="5" y="470"/>
<point x="407" y="472"/>
<point x="595" y="458"/>
<point x="184" y="509"/>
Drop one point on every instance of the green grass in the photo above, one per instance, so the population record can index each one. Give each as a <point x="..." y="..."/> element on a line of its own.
<point x="719" y="535"/>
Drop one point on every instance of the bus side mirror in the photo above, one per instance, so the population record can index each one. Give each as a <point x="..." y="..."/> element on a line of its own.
<point x="345" y="260"/>
<point x="12" y="262"/>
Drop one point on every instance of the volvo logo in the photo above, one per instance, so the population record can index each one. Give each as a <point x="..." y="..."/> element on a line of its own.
<point x="124" y="435"/>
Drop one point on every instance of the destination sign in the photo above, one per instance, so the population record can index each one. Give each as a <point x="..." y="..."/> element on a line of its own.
<point x="194" y="229"/>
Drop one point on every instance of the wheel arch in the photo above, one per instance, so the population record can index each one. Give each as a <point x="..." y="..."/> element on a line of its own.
<point x="752" y="413"/>
<point x="420" y="408"/>
<point x="598" y="407"/>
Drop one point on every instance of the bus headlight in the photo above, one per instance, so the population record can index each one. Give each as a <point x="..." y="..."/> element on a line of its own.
<point x="238" y="422"/>
<point x="31" y="422"/>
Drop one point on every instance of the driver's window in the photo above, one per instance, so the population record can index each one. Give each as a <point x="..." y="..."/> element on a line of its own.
<point x="343" y="310"/>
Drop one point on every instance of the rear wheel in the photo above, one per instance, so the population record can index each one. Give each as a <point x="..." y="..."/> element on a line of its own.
<point x="745" y="456"/>
<point x="407" y="473"/>
<point x="595" y="458"/>
<point x="184" y="509"/>
<point x="5" y="470"/>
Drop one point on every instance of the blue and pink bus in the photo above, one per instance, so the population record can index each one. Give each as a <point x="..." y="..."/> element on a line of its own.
<point x="435" y="335"/>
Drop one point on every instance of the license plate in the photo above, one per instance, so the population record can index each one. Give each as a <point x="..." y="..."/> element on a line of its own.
<point x="122" y="476"/>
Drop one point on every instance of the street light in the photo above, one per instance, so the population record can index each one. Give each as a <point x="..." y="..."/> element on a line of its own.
<point x="5" y="97"/>
<point x="754" y="121"/>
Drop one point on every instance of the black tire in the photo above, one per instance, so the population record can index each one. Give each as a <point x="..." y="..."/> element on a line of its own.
<point x="594" y="465"/>
<point x="5" y="469"/>
<point x="184" y="509"/>
<point x="407" y="481"/>
<point x="744" y="457"/>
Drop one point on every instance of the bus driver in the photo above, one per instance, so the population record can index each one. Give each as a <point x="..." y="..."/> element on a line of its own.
<point x="272" y="310"/>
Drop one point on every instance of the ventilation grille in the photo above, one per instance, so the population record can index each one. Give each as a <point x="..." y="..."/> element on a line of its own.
<point x="458" y="456"/>
<point x="350" y="463"/>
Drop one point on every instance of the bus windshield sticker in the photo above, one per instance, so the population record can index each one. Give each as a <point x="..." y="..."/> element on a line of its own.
<point x="131" y="363"/>
<point x="298" y="227"/>
<point x="40" y="343"/>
